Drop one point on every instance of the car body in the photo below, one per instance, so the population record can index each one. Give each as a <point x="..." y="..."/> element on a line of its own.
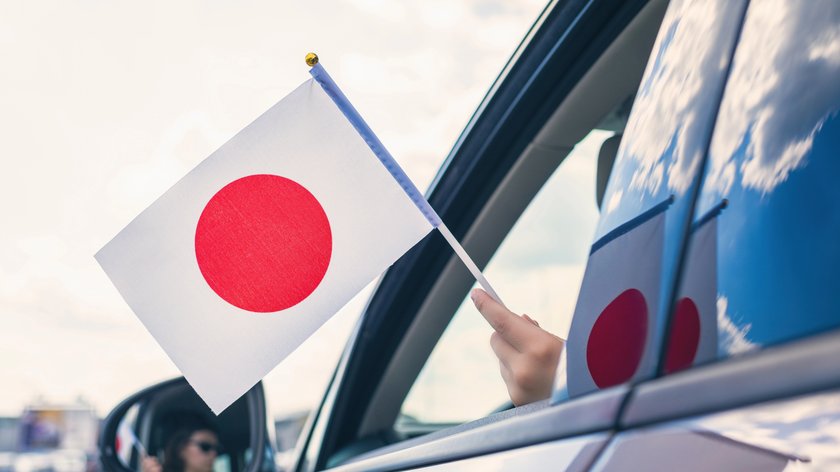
<point x="734" y="120"/>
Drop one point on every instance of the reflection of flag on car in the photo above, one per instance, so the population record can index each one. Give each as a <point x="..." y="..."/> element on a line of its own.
<point x="608" y="340"/>
<point x="693" y="338"/>
<point x="248" y="254"/>
<point x="126" y="440"/>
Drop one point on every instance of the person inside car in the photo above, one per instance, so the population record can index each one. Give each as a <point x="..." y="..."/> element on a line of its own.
<point x="190" y="449"/>
<point x="528" y="355"/>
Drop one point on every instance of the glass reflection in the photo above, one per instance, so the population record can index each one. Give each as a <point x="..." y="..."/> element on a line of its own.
<point x="773" y="157"/>
<point x="657" y="166"/>
<point x="674" y="111"/>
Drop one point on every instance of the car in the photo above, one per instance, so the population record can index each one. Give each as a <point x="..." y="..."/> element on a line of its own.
<point x="716" y="120"/>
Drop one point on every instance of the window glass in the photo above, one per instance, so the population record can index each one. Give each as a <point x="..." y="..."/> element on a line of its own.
<point x="537" y="270"/>
<point x="762" y="263"/>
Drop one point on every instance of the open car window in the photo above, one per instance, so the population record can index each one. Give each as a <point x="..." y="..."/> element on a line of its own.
<point x="537" y="270"/>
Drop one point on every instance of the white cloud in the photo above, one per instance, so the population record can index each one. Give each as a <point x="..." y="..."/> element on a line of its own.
<point x="105" y="108"/>
<point x="615" y="200"/>
<point x="782" y="88"/>
<point x="677" y="100"/>
<point x="732" y="338"/>
<point x="382" y="9"/>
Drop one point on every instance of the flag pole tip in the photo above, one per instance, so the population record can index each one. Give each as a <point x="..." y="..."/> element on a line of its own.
<point x="311" y="59"/>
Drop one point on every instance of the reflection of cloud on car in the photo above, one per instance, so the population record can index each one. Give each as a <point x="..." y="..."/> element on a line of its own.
<point x="778" y="96"/>
<point x="675" y="119"/>
<point x="733" y="337"/>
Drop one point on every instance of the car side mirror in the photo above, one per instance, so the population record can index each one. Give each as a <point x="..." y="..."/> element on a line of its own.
<point x="143" y="423"/>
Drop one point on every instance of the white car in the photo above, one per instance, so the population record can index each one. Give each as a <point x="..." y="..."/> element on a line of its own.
<point x="717" y="130"/>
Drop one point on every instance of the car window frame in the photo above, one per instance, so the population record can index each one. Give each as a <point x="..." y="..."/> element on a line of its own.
<point x="570" y="38"/>
<point x="537" y="424"/>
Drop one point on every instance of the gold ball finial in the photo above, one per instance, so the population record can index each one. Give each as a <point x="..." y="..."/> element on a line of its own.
<point x="311" y="59"/>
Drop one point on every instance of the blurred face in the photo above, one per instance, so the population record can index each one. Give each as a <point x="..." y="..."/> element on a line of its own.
<point x="200" y="452"/>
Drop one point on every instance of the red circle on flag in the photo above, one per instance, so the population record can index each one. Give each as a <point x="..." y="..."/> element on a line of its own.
<point x="263" y="243"/>
<point x="684" y="338"/>
<point x="617" y="340"/>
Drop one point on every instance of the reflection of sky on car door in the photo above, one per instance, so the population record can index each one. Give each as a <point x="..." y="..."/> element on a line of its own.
<point x="106" y="106"/>
<point x="672" y="115"/>
<point x="777" y="251"/>
<point x="774" y="156"/>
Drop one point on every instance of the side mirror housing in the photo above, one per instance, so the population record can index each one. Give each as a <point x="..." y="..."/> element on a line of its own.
<point x="142" y="423"/>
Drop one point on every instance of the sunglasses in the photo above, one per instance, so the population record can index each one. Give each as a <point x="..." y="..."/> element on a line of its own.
<point x="208" y="447"/>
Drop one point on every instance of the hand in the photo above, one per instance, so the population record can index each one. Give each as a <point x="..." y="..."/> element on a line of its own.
<point x="528" y="354"/>
<point x="151" y="464"/>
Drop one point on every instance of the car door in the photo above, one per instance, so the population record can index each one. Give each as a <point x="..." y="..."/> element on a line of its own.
<point x="576" y="74"/>
<point x="760" y="270"/>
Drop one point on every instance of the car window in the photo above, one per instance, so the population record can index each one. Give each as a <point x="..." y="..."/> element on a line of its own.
<point x="536" y="270"/>
<point x="762" y="263"/>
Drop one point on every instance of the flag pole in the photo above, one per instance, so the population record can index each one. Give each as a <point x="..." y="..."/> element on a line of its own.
<point x="323" y="78"/>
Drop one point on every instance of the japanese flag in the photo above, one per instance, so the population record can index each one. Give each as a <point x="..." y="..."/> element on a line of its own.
<point x="693" y="332"/>
<point x="609" y="340"/>
<point x="247" y="255"/>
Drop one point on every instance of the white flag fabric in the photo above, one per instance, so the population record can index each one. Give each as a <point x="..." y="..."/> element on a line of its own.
<point x="125" y="442"/>
<point x="693" y="332"/>
<point x="609" y="340"/>
<point x="248" y="254"/>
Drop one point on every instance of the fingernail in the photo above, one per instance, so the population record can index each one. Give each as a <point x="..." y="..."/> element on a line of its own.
<point x="474" y="294"/>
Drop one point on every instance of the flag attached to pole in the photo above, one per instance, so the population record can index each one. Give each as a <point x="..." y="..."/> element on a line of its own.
<point x="249" y="253"/>
<point x="609" y="340"/>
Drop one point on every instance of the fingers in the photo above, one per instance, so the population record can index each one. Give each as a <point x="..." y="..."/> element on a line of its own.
<point x="528" y="355"/>
<point x="537" y="324"/>
<point x="528" y="374"/>
<point x="503" y="350"/>
<point x="510" y="326"/>
<point x="506" y="373"/>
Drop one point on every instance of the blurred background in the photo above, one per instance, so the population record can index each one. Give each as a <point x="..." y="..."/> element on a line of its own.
<point x="105" y="105"/>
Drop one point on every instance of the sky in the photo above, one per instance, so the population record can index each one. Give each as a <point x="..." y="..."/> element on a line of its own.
<point x="105" y="105"/>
